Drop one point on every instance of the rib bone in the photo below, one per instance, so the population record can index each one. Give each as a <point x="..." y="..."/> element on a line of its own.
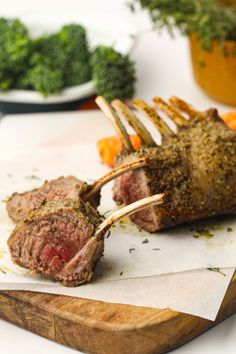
<point x="120" y="170"/>
<point x="135" y="123"/>
<point x="170" y="111"/>
<point x="126" y="211"/>
<point x="119" y="127"/>
<point x="184" y="106"/>
<point x="154" y="117"/>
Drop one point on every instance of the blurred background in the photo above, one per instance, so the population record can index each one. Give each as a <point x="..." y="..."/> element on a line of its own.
<point x="162" y="63"/>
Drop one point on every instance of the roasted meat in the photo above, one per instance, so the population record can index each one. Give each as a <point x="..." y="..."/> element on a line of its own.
<point x="64" y="239"/>
<point x="195" y="167"/>
<point x="20" y="204"/>
<point x="56" y="240"/>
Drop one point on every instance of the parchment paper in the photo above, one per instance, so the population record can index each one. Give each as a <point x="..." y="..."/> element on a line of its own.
<point x="198" y="292"/>
<point x="127" y="274"/>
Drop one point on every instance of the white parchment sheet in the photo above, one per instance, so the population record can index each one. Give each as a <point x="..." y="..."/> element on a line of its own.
<point x="132" y="270"/>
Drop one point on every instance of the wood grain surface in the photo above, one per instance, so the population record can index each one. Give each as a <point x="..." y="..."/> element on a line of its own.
<point x="104" y="328"/>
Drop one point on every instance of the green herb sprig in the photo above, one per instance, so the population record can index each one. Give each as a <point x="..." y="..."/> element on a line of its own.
<point x="209" y="20"/>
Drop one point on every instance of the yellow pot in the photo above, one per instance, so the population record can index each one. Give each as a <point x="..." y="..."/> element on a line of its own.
<point x="214" y="72"/>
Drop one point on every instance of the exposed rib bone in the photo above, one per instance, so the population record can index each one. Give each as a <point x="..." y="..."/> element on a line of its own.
<point x="170" y="111"/>
<point x="154" y="117"/>
<point x="135" y="123"/>
<point x="184" y="106"/>
<point x="120" y="170"/>
<point x="119" y="127"/>
<point x="126" y="211"/>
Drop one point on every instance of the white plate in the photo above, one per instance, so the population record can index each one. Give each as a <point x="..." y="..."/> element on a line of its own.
<point x="100" y="30"/>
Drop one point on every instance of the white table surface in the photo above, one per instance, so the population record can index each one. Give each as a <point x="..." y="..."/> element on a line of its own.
<point x="163" y="69"/>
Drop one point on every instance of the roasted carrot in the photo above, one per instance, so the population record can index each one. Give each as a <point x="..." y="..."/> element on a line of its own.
<point x="110" y="147"/>
<point x="230" y="119"/>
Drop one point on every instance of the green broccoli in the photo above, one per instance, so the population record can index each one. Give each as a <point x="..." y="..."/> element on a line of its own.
<point x="49" y="50"/>
<point x="63" y="59"/>
<point x="44" y="79"/>
<point x="14" y="51"/>
<point x="5" y="82"/>
<point x="75" y="44"/>
<point x="74" y="40"/>
<point x="113" y="74"/>
<point x="77" y="73"/>
<point x="67" y="51"/>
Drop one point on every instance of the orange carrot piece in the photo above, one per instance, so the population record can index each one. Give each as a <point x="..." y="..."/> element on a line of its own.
<point x="110" y="147"/>
<point x="230" y="119"/>
<point x="136" y="142"/>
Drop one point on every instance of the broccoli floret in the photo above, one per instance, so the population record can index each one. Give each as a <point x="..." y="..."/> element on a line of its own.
<point x="113" y="74"/>
<point x="5" y="82"/>
<point x="50" y="50"/>
<point x="75" y="44"/>
<point x="77" y="73"/>
<point x="63" y="59"/>
<point x="44" y="79"/>
<point x="14" y="50"/>
<point x="67" y="51"/>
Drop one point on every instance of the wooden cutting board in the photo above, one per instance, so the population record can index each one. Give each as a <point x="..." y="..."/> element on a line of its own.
<point x="103" y="328"/>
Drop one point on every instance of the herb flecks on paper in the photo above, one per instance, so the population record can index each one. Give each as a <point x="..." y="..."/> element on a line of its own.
<point x="217" y="270"/>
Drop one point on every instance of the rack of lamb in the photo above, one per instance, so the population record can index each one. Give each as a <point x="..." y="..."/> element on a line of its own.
<point x="195" y="166"/>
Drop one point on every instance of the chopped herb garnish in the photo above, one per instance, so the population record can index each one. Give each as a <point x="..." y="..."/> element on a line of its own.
<point x="218" y="270"/>
<point x="229" y="229"/>
<point x="32" y="177"/>
<point x="108" y="234"/>
<point x="131" y="250"/>
<point x="43" y="202"/>
<point x="202" y="232"/>
<point x="106" y="212"/>
<point x="121" y="273"/>
<point x="145" y="241"/>
<point x="156" y="249"/>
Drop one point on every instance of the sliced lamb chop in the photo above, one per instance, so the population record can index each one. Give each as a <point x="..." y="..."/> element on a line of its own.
<point x="50" y="236"/>
<point x="20" y="204"/>
<point x="195" y="168"/>
<point x="64" y="239"/>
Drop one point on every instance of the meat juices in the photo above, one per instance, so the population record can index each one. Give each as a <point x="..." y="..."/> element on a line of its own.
<point x="57" y="240"/>
<point x="195" y="168"/>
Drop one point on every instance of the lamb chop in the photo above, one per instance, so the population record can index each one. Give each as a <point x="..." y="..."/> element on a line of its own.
<point x="64" y="239"/>
<point x="20" y="204"/>
<point x="195" y="167"/>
